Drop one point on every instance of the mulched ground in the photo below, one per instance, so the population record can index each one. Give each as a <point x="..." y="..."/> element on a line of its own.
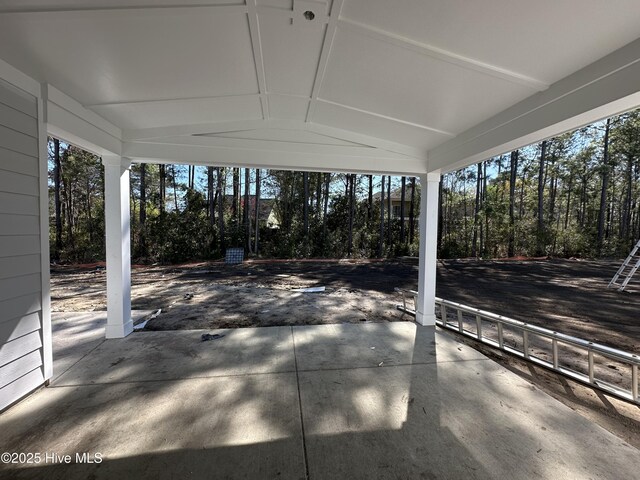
<point x="569" y="296"/>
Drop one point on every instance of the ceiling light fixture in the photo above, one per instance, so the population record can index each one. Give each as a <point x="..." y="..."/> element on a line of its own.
<point x="309" y="15"/>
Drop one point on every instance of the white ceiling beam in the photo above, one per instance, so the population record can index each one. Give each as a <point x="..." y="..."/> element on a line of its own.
<point x="19" y="79"/>
<point x="64" y="8"/>
<point x="258" y="58"/>
<point x="69" y="120"/>
<point x="250" y="158"/>
<point x="327" y="44"/>
<point x="281" y="146"/>
<point x="440" y="54"/>
<point x="607" y="87"/>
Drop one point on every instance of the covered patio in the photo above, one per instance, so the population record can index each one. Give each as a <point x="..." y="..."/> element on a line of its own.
<point x="330" y="401"/>
<point x="358" y="86"/>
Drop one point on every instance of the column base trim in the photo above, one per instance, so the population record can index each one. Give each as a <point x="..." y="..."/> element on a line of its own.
<point x="119" y="331"/>
<point x="426" y="320"/>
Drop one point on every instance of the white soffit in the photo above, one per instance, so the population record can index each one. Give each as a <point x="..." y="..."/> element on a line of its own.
<point x="376" y="76"/>
<point x="132" y="55"/>
<point x="545" y="40"/>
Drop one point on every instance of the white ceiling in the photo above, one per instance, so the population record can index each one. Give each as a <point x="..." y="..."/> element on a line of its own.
<point x="415" y="73"/>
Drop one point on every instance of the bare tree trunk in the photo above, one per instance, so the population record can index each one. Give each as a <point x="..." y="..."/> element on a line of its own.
<point x="143" y="208"/>
<point x="476" y="216"/>
<point x="381" y="239"/>
<point x="566" y="215"/>
<point x="610" y="211"/>
<point x="236" y="194"/>
<point x="512" y="195"/>
<point x="192" y="177"/>
<point x="56" y="198"/>
<point x="504" y="183"/>
<point x="163" y="187"/>
<point x="318" y="195"/>
<point x="257" y="213"/>
<point x="389" y="238"/>
<point x="605" y="186"/>
<point x="412" y="206"/>
<point x="327" y="184"/>
<point x="211" y="196"/>
<point x="220" y="192"/>
<point x="370" y="199"/>
<point x="402" y="197"/>
<point x="522" y="187"/>
<point x="440" y="214"/>
<point x="133" y="215"/>
<point x="552" y="197"/>
<point x="541" y="182"/>
<point x="625" y="224"/>
<point x="352" y="188"/>
<point x="465" y="230"/>
<point x="305" y="208"/>
<point x="175" y="190"/>
<point x="245" y="210"/>
<point x="67" y="194"/>
<point x="484" y="240"/>
<point x="89" y="216"/>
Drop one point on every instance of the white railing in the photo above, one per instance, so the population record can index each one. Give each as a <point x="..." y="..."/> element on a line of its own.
<point x="474" y="323"/>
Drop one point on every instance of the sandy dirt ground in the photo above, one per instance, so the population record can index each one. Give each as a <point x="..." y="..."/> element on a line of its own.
<point x="568" y="296"/>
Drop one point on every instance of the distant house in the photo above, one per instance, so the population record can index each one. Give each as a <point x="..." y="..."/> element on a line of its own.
<point x="396" y="202"/>
<point x="268" y="217"/>
<point x="267" y="213"/>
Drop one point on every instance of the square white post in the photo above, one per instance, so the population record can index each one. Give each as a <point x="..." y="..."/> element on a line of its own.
<point x="428" y="225"/>
<point x="118" y="246"/>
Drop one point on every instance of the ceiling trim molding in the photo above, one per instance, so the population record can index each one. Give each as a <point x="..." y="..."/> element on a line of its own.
<point x="277" y="160"/>
<point x="440" y="54"/>
<point x="364" y="139"/>
<point x="169" y="100"/>
<point x="258" y="58"/>
<point x="194" y="129"/>
<point x="280" y="146"/>
<point x="393" y="119"/>
<point x="327" y="45"/>
<point x="220" y="8"/>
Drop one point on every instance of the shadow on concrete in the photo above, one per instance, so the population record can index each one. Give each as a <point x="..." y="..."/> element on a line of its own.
<point x="319" y="402"/>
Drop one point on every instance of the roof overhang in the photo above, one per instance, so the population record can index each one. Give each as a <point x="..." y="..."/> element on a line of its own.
<point x="367" y="86"/>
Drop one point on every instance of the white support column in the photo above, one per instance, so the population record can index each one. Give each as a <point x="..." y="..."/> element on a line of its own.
<point x="118" y="245"/>
<point x="425" y="310"/>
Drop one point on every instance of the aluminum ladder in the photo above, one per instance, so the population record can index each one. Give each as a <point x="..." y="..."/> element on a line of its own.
<point x="627" y="269"/>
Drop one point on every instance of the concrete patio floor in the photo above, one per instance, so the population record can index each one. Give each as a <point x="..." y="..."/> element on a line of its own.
<point x="349" y="401"/>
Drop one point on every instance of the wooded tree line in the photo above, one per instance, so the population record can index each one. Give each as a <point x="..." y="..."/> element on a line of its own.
<point x="572" y="195"/>
<point x="181" y="213"/>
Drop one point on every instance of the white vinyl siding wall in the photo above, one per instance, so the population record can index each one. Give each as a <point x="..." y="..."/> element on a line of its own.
<point x="21" y="339"/>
